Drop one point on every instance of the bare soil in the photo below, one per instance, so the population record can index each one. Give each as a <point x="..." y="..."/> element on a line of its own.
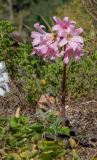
<point x="83" y="117"/>
<point x="17" y="97"/>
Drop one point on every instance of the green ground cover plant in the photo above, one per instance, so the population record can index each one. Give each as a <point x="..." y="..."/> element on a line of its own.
<point x="22" y="139"/>
<point x="44" y="139"/>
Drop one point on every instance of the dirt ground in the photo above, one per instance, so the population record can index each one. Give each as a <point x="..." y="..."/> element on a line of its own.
<point x="16" y="98"/>
<point x="82" y="116"/>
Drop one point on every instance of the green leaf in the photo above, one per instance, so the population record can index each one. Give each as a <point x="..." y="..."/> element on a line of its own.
<point x="36" y="137"/>
<point x="14" y="156"/>
<point x="75" y="155"/>
<point x="65" y="130"/>
<point x="94" y="158"/>
<point x="37" y="127"/>
<point x="72" y="143"/>
<point x="24" y="154"/>
<point x="33" y="154"/>
<point x="48" y="145"/>
<point x="49" y="155"/>
<point x="13" y="123"/>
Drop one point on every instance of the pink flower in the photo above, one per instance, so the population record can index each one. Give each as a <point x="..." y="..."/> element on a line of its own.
<point x="70" y="37"/>
<point x="63" y="26"/>
<point x="64" y="41"/>
<point x="40" y="36"/>
<point x="45" y="44"/>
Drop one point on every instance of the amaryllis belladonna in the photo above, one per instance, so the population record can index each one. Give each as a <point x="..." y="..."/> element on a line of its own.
<point x="64" y="41"/>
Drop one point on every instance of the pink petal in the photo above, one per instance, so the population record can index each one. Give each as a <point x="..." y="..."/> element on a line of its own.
<point x="43" y="49"/>
<point x="57" y="20"/>
<point x="73" y="45"/>
<point x="66" y="19"/>
<point x="78" y="31"/>
<point x="35" y="34"/>
<point x="66" y="59"/>
<point x="63" y="42"/>
<point x="76" y="57"/>
<point x="33" y="52"/>
<point x="61" y="54"/>
<point x="39" y="28"/>
<point x="56" y="27"/>
<point x="78" y="53"/>
<point x="77" y="39"/>
<point x="68" y="52"/>
<point x="53" y="58"/>
<point x="36" y="42"/>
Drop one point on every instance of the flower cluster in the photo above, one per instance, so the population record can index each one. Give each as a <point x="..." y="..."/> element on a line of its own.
<point x="64" y="40"/>
<point x="3" y="80"/>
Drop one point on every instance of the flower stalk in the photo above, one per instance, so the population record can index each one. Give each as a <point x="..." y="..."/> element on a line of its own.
<point x="63" y="98"/>
<point x="65" y="121"/>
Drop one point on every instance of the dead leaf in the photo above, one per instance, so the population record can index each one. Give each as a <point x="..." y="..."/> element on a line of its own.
<point x="17" y="113"/>
<point x="45" y="102"/>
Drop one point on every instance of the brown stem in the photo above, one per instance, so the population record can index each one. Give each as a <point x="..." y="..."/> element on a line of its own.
<point x="63" y="92"/>
<point x="63" y="99"/>
<point x="65" y="121"/>
<point x="64" y="85"/>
